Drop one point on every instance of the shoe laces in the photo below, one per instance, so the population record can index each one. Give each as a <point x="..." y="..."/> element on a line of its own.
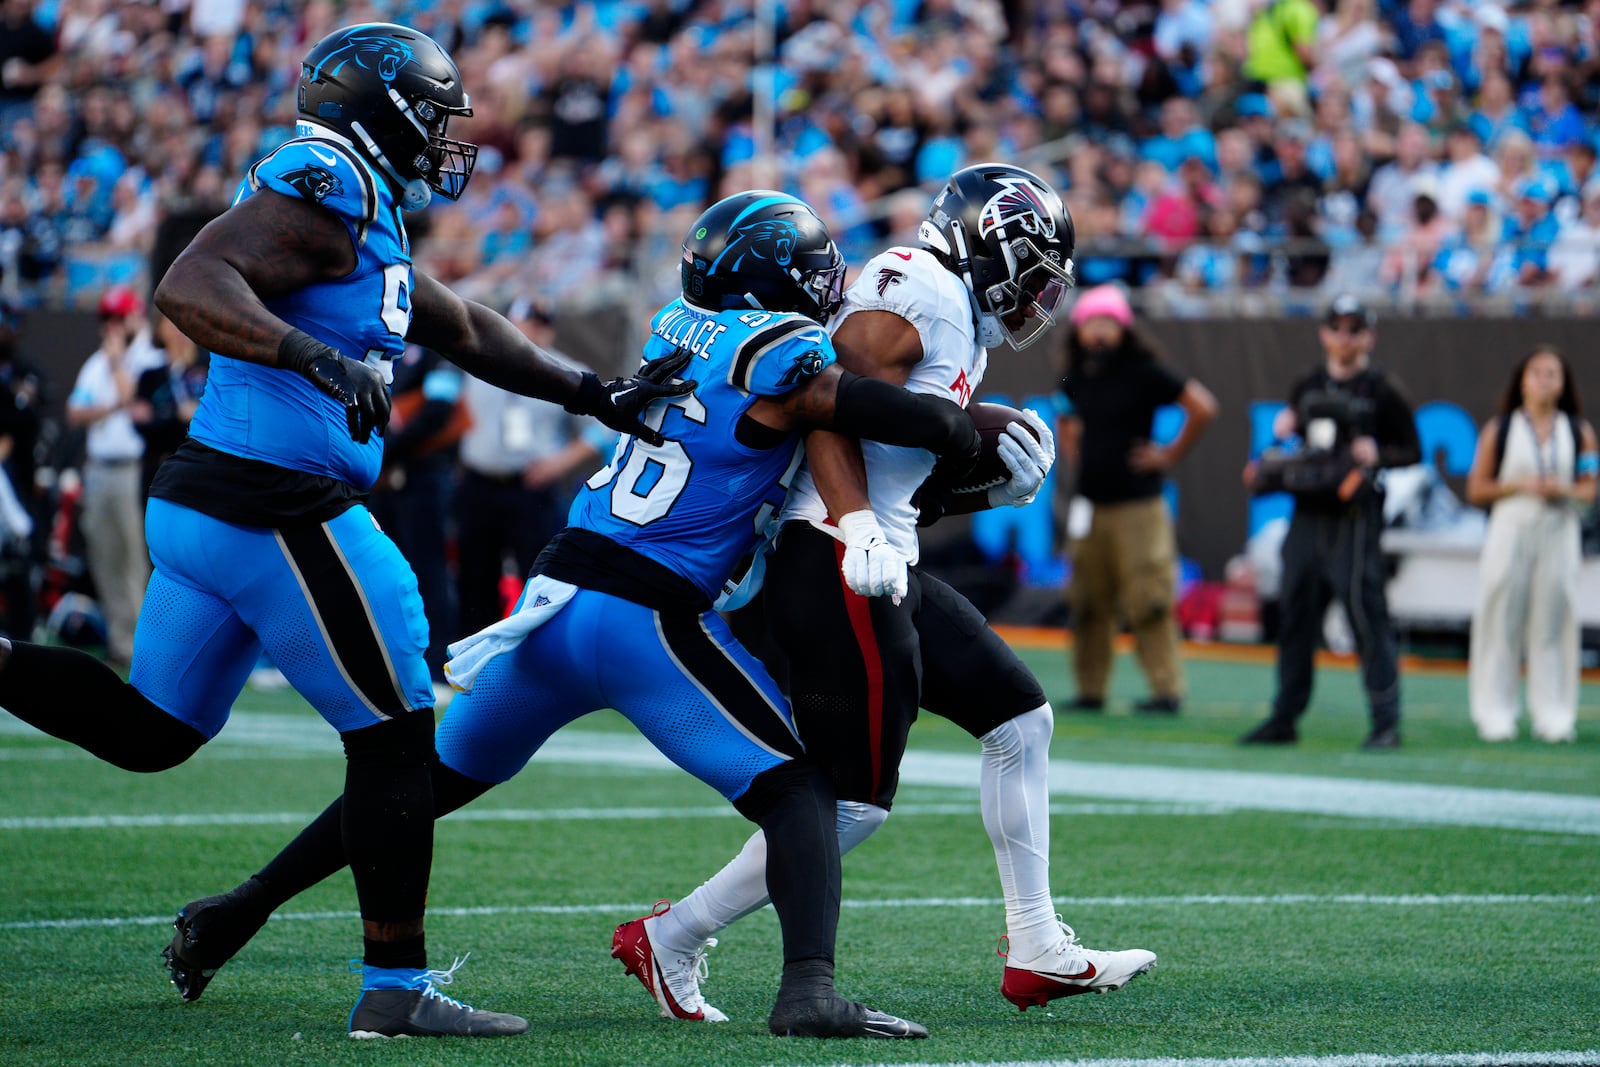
<point x="1068" y="945"/>
<point x="436" y="978"/>
<point x="699" y="970"/>
<point x="697" y="962"/>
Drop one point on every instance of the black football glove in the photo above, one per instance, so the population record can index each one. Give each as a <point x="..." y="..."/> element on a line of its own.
<point x="359" y="387"/>
<point x="618" y="402"/>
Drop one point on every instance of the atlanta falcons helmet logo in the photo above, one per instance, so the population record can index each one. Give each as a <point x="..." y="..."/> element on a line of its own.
<point x="1021" y="201"/>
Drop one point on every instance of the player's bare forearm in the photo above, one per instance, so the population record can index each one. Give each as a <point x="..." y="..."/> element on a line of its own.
<point x="839" y="472"/>
<point x="265" y="246"/>
<point x="486" y="344"/>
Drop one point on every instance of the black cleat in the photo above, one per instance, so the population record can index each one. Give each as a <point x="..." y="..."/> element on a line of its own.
<point x="211" y="931"/>
<point x="830" y="1015"/>
<point x="1271" y="732"/>
<point x="1159" y="706"/>
<point x="1379" y="740"/>
<point x="1085" y="704"/>
<point x="426" y="1012"/>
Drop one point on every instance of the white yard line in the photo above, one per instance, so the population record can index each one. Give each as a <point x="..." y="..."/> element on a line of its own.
<point x="477" y="814"/>
<point x="1405" y="802"/>
<point x="1213" y="900"/>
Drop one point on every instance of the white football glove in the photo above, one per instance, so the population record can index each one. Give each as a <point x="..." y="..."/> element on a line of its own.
<point x="1028" y="460"/>
<point x="871" y="565"/>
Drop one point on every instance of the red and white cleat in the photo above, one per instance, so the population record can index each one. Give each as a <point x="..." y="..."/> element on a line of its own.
<point x="1067" y="969"/>
<point x="673" y="981"/>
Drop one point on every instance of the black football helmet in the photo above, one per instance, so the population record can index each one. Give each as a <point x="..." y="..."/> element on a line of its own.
<point x="1007" y="236"/>
<point x="763" y="249"/>
<point x="390" y="91"/>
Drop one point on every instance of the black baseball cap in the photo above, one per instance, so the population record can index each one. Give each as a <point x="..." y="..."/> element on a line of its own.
<point x="1346" y="306"/>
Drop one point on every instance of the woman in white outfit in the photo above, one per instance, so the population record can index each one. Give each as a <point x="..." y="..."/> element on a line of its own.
<point x="1535" y="468"/>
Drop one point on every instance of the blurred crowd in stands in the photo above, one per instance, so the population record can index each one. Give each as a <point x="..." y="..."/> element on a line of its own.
<point x="1414" y="151"/>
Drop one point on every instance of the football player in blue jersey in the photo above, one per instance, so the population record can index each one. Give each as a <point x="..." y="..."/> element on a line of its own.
<point x="618" y="611"/>
<point x="304" y="291"/>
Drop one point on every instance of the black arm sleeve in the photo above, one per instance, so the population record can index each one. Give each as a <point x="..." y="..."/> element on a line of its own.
<point x="1398" y="445"/>
<point x="874" y="410"/>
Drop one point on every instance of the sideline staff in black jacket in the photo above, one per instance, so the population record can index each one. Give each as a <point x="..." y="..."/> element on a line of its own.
<point x="1348" y="411"/>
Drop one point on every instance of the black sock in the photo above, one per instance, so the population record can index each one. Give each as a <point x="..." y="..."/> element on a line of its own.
<point x="318" y="851"/>
<point x="388" y="833"/>
<point x="794" y="804"/>
<point x="73" y="696"/>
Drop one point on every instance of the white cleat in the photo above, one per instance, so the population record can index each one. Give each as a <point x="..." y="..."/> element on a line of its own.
<point x="674" y="982"/>
<point x="1067" y="969"/>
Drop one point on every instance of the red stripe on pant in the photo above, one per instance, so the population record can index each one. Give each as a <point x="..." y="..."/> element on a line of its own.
<point x="859" y="610"/>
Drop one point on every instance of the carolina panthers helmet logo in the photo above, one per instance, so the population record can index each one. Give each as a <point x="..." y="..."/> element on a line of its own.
<point x="1021" y="201"/>
<point x="773" y="240"/>
<point x="313" y="182"/>
<point x="385" y="55"/>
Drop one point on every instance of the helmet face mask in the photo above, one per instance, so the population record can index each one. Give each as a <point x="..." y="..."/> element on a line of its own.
<point x="391" y="92"/>
<point x="1006" y="234"/>
<point x="763" y="249"/>
<point x="1026" y="307"/>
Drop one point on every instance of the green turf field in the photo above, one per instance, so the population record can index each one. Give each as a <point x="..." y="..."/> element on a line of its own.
<point x="1440" y="904"/>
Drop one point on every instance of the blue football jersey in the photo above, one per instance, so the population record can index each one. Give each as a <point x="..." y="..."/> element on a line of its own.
<point x="278" y="416"/>
<point x="701" y="500"/>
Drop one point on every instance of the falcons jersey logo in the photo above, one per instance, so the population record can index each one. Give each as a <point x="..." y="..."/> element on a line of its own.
<point x="888" y="276"/>
<point x="1019" y="200"/>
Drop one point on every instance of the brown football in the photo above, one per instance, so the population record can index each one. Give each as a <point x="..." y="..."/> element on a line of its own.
<point x="991" y="421"/>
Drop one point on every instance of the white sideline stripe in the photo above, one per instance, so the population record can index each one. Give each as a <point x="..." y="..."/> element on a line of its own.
<point x="1586" y="1058"/>
<point x="1410" y="802"/>
<point x="299" y="818"/>
<point x="1421" y="900"/>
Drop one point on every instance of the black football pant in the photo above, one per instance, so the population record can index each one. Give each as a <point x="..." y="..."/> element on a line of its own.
<point x="1327" y="556"/>
<point x="859" y="668"/>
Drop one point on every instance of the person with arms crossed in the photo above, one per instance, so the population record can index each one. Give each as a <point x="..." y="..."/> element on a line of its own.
<point x="1535" y="467"/>
<point x="618" y="610"/>
<point x="303" y="291"/>
<point x="993" y="263"/>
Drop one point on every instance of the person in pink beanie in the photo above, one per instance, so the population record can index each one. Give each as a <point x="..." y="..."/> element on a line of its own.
<point x="1125" y="567"/>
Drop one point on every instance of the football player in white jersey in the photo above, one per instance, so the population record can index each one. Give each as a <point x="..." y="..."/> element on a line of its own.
<point x="993" y="265"/>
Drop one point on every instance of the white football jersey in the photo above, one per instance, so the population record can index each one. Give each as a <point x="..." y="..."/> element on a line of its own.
<point x="911" y="283"/>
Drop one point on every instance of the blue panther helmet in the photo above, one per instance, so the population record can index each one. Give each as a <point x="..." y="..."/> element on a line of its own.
<point x="763" y="249"/>
<point x="391" y="91"/>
